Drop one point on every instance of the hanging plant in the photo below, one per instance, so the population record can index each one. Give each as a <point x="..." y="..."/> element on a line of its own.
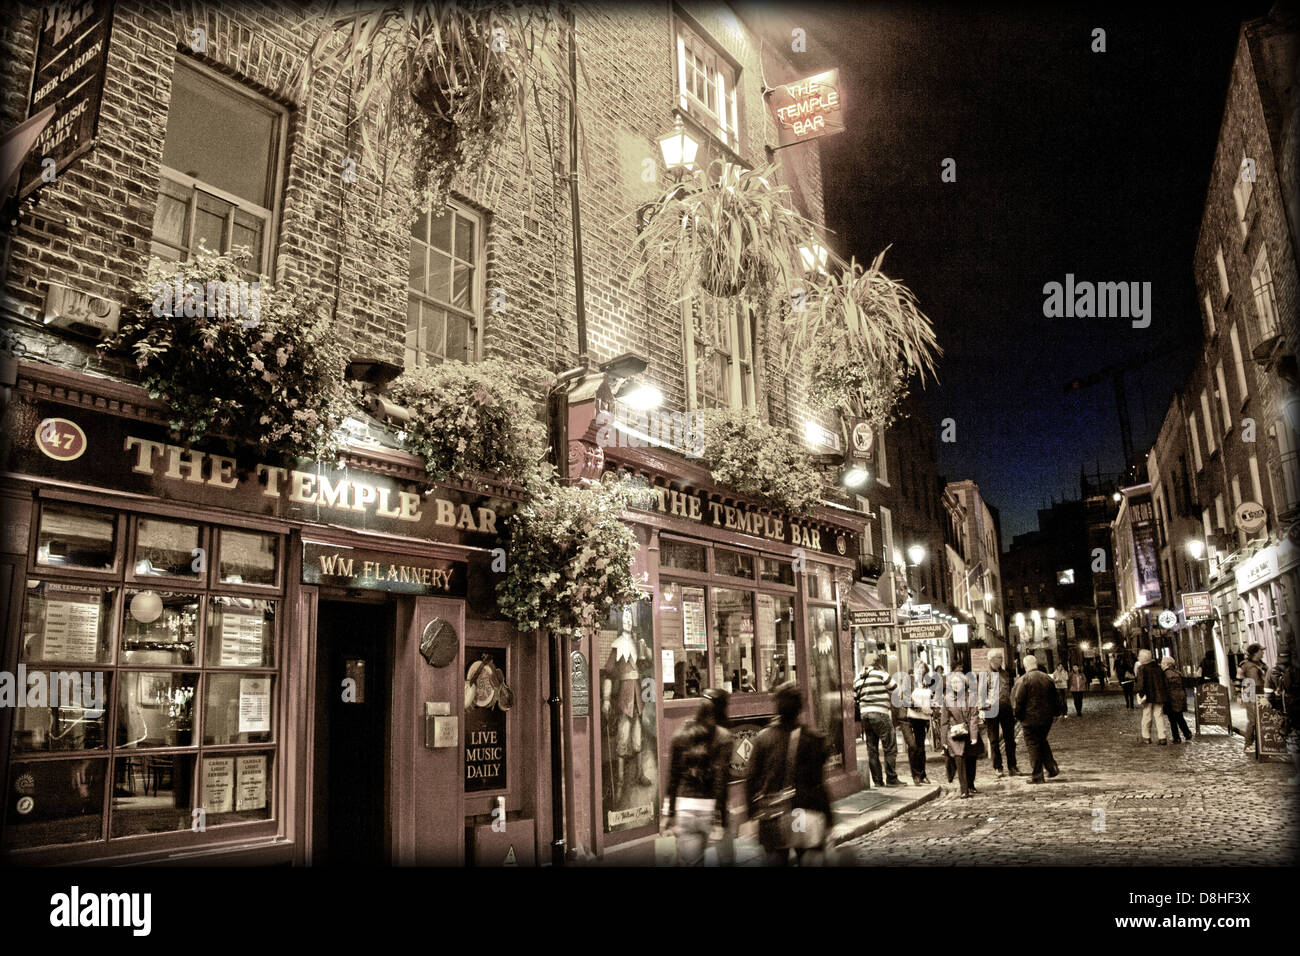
<point x="867" y="317"/>
<point x="755" y="458"/>
<point x="442" y="83"/>
<point x="728" y="232"/>
<point x="857" y="387"/>
<point x="569" y="557"/>
<point x="473" y="419"/>
<point x="233" y="356"/>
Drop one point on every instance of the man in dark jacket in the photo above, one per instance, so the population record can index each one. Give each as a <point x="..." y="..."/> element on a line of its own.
<point x="1033" y="701"/>
<point x="998" y="718"/>
<point x="772" y="768"/>
<point x="1152" y="693"/>
<point x="699" y="771"/>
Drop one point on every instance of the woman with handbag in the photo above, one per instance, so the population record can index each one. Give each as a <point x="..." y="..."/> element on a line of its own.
<point x="960" y="725"/>
<point x="918" y="717"/>
<point x="786" y="789"/>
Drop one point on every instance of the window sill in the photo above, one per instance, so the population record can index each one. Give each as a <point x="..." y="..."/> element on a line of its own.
<point x="713" y="140"/>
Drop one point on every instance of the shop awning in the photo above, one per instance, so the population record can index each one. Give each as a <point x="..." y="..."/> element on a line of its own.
<point x="862" y="597"/>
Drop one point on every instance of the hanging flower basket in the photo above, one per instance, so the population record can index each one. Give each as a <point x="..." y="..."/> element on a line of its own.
<point x="231" y="355"/>
<point x="842" y="380"/>
<point x="477" y="419"/>
<point x="755" y="458"/>
<point x="569" y="557"/>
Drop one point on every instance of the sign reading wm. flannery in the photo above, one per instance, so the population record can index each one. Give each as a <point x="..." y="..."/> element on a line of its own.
<point x="381" y="571"/>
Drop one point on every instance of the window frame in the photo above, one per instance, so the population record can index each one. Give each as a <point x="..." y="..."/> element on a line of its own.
<point x="711" y="121"/>
<point x="478" y="287"/>
<point x="1238" y="361"/>
<point x="743" y="388"/>
<point x="1263" y="289"/>
<point x="276" y="173"/>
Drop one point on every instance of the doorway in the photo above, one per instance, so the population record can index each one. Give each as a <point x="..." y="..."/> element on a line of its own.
<point x="349" y="822"/>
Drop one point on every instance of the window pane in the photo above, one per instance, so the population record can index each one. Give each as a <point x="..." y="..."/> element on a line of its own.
<point x="434" y="331"/>
<point x="218" y="136"/>
<point x="776" y="661"/>
<point x="71" y="536"/>
<point x="237" y="787"/>
<point x="160" y="628"/>
<point x="169" y="219"/>
<point x="462" y="293"/>
<point x="248" y="232"/>
<point x="464" y="238"/>
<point x="54" y="801"/>
<point x="241" y="633"/>
<point x="440" y="230"/>
<point x="828" y="709"/>
<point x="733" y="640"/>
<point x="165" y="547"/>
<point x="460" y="338"/>
<point x="683" y="641"/>
<point x="238" y="709"/>
<point x="209" y="224"/>
<point x="439" y="276"/>
<point x="152" y="793"/>
<point x="247" y="557"/>
<point x="155" y="709"/>
<point x="821" y="582"/>
<point x="65" y="623"/>
<point x="418" y="279"/>
<point x="734" y="564"/>
<point x="414" y="335"/>
<point x="63" y="710"/>
<point x="681" y="554"/>
<point x="776" y="571"/>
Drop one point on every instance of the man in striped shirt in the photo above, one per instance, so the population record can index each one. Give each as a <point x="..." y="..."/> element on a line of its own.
<point x="872" y="691"/>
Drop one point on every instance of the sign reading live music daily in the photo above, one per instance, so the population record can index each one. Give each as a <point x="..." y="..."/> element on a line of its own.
<point x="698" y="507"/>
<point x="808" y="108"/>
<point x="71" y="57"/>
<point x="140" y="458"/>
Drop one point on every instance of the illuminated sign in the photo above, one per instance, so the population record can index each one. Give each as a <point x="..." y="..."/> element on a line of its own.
<point x="808" y="108"/>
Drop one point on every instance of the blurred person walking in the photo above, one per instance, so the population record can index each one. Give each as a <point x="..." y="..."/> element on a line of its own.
<point x="997" y="713"/>
<point x="1061" y="677"/>
<point x="959" y="728"/>
<point x="699" y="771"/>
<point x="1252" y="669"/>
<point x="1176" y="704"/>
<point x="872" y="691"/>
<point x="1152" y="692"/>
<point x="786" y="789"/>
<point x="1034" y="702"/>
<point x="1078" y="686"/>
<point x="1126" y="680"/>
<point x="917" y="721"/>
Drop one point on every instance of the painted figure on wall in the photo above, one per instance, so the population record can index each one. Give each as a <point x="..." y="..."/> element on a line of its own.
<point x="627" y="712"/>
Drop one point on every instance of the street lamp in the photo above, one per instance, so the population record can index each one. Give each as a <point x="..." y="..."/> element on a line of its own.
<point x="814" y="256"/>
<point x="917" y="553"/>
<point x="855" y="476"/>
<point x="1196" y="548"/>
<point x="678" y="148"/>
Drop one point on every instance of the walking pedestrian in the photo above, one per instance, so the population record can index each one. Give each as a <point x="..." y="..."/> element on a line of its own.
<point x="785" y="779"/>
<point x="959" y="728"/>
<point x="1252" y="669"/>
<point x="1078" y="684"/>
<point x="1062" y="679"/>
<point x="1034" y="702"/>
<point x="1126" y="681"/>
<point x="1283" y="690"/>
<point x="917" y="721"/>
<point x="1152" y="691"/>
<point x="1176" y="705"/>
<point x="997" y="714"/>
<point x="699" y="771"/>
<point x="872" y="690"/>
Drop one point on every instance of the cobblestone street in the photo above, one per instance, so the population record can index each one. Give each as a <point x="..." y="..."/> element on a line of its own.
<point x="1117" y="802"/>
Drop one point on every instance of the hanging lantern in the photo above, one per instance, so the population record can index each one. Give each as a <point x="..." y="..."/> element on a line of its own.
<point x="146" y="607"/>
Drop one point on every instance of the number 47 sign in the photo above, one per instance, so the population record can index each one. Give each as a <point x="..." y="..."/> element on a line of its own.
<point x="60" y="439"/>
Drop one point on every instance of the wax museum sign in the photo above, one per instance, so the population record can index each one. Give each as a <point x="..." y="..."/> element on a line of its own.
<point x="808" y="108"/>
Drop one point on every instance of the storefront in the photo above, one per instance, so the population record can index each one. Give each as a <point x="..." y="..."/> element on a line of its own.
<point x="737" y="596"/>
<point x="1267" y="588"/>
<point x="210" y="658"/>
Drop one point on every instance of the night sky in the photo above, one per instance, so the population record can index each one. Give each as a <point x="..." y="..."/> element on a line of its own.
<point x="1068" y="161"/>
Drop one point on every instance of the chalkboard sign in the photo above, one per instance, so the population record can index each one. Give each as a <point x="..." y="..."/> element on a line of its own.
<point x="1212" y="707"/>
<point x="1271" y="740"/>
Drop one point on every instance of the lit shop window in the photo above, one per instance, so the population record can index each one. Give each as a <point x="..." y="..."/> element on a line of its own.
<point x="444" y="299"/>
<point x="706" y="85"/>
<point x="220" y="170"/>
<point x="720" y="355"/>
<point x="151" y="681"/>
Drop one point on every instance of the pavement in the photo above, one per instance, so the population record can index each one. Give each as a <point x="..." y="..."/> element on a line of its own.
<point x="1117" y="802"/>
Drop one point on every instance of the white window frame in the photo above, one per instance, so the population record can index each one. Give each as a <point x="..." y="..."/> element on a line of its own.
<point x="1219" y="514"/>
<point x="1242" y="190"/>
<point x="1242" y="382"/>
<point x="1223" y="274"/>
<point x="1210" y="446"/>
<point x="882" y="473"/>
<point x="722" y="122"/>
<point x="742" y="386"/>
<point x="270" y="215"/>
<point x="1196" y="441"/>
<point x="475" y="313"/>
<point x="1209" y="315"/>
<point x="1225" y="409"/>
<point x="1255" y="483"/>
<point x="1261" y="286"/>
<point x="1288" y="455"/>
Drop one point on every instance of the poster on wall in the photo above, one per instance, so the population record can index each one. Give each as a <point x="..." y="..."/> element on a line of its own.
<point x="251" y="783"/>
<point x="488" y="699"/>
<point x="629" y="735"/>
<point x="218" y="784"/>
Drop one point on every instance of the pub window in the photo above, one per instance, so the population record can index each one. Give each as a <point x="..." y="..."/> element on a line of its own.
<point x="820" y="581"/>
<point x="220" y="164"/>
<point x="720" y="358"/>
<point x="733" y="564"/>
<point x="776" y="571"/>
<point x="706" y="85"/>
<point x="132" y="724"/>
<point x="443" y="305"/>
<point x="685" y="555"/>
<point x="76" y="537"/>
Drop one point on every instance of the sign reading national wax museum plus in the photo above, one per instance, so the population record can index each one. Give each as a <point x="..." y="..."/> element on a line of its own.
<point x="139" y="458"/>
<point x="698" y="507"/>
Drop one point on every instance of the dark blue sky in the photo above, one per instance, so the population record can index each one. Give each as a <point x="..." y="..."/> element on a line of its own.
<point x="1068" y="161"/>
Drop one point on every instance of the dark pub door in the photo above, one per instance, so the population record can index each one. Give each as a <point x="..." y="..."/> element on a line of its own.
<point x="351" y="749"/>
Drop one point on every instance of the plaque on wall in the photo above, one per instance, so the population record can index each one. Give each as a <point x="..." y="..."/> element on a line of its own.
<point x="581" y="686"/>
<point x="439" y="644"/>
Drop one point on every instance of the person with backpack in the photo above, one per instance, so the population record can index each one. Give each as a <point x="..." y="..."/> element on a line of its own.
<point x="698" y="775"/>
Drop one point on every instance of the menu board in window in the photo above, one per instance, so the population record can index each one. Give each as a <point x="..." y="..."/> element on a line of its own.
<point x="241" y="638"/>
<point x="254" y="705"/>
<point x="71" y="625"/>
<point x="218" y="784"/>
<point x="251" y="782"/>
<point x="695" y="636"/>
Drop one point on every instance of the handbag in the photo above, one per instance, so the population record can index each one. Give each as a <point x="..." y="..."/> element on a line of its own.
<point x="958" y="732"/>
<point x="776" y="810"/>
